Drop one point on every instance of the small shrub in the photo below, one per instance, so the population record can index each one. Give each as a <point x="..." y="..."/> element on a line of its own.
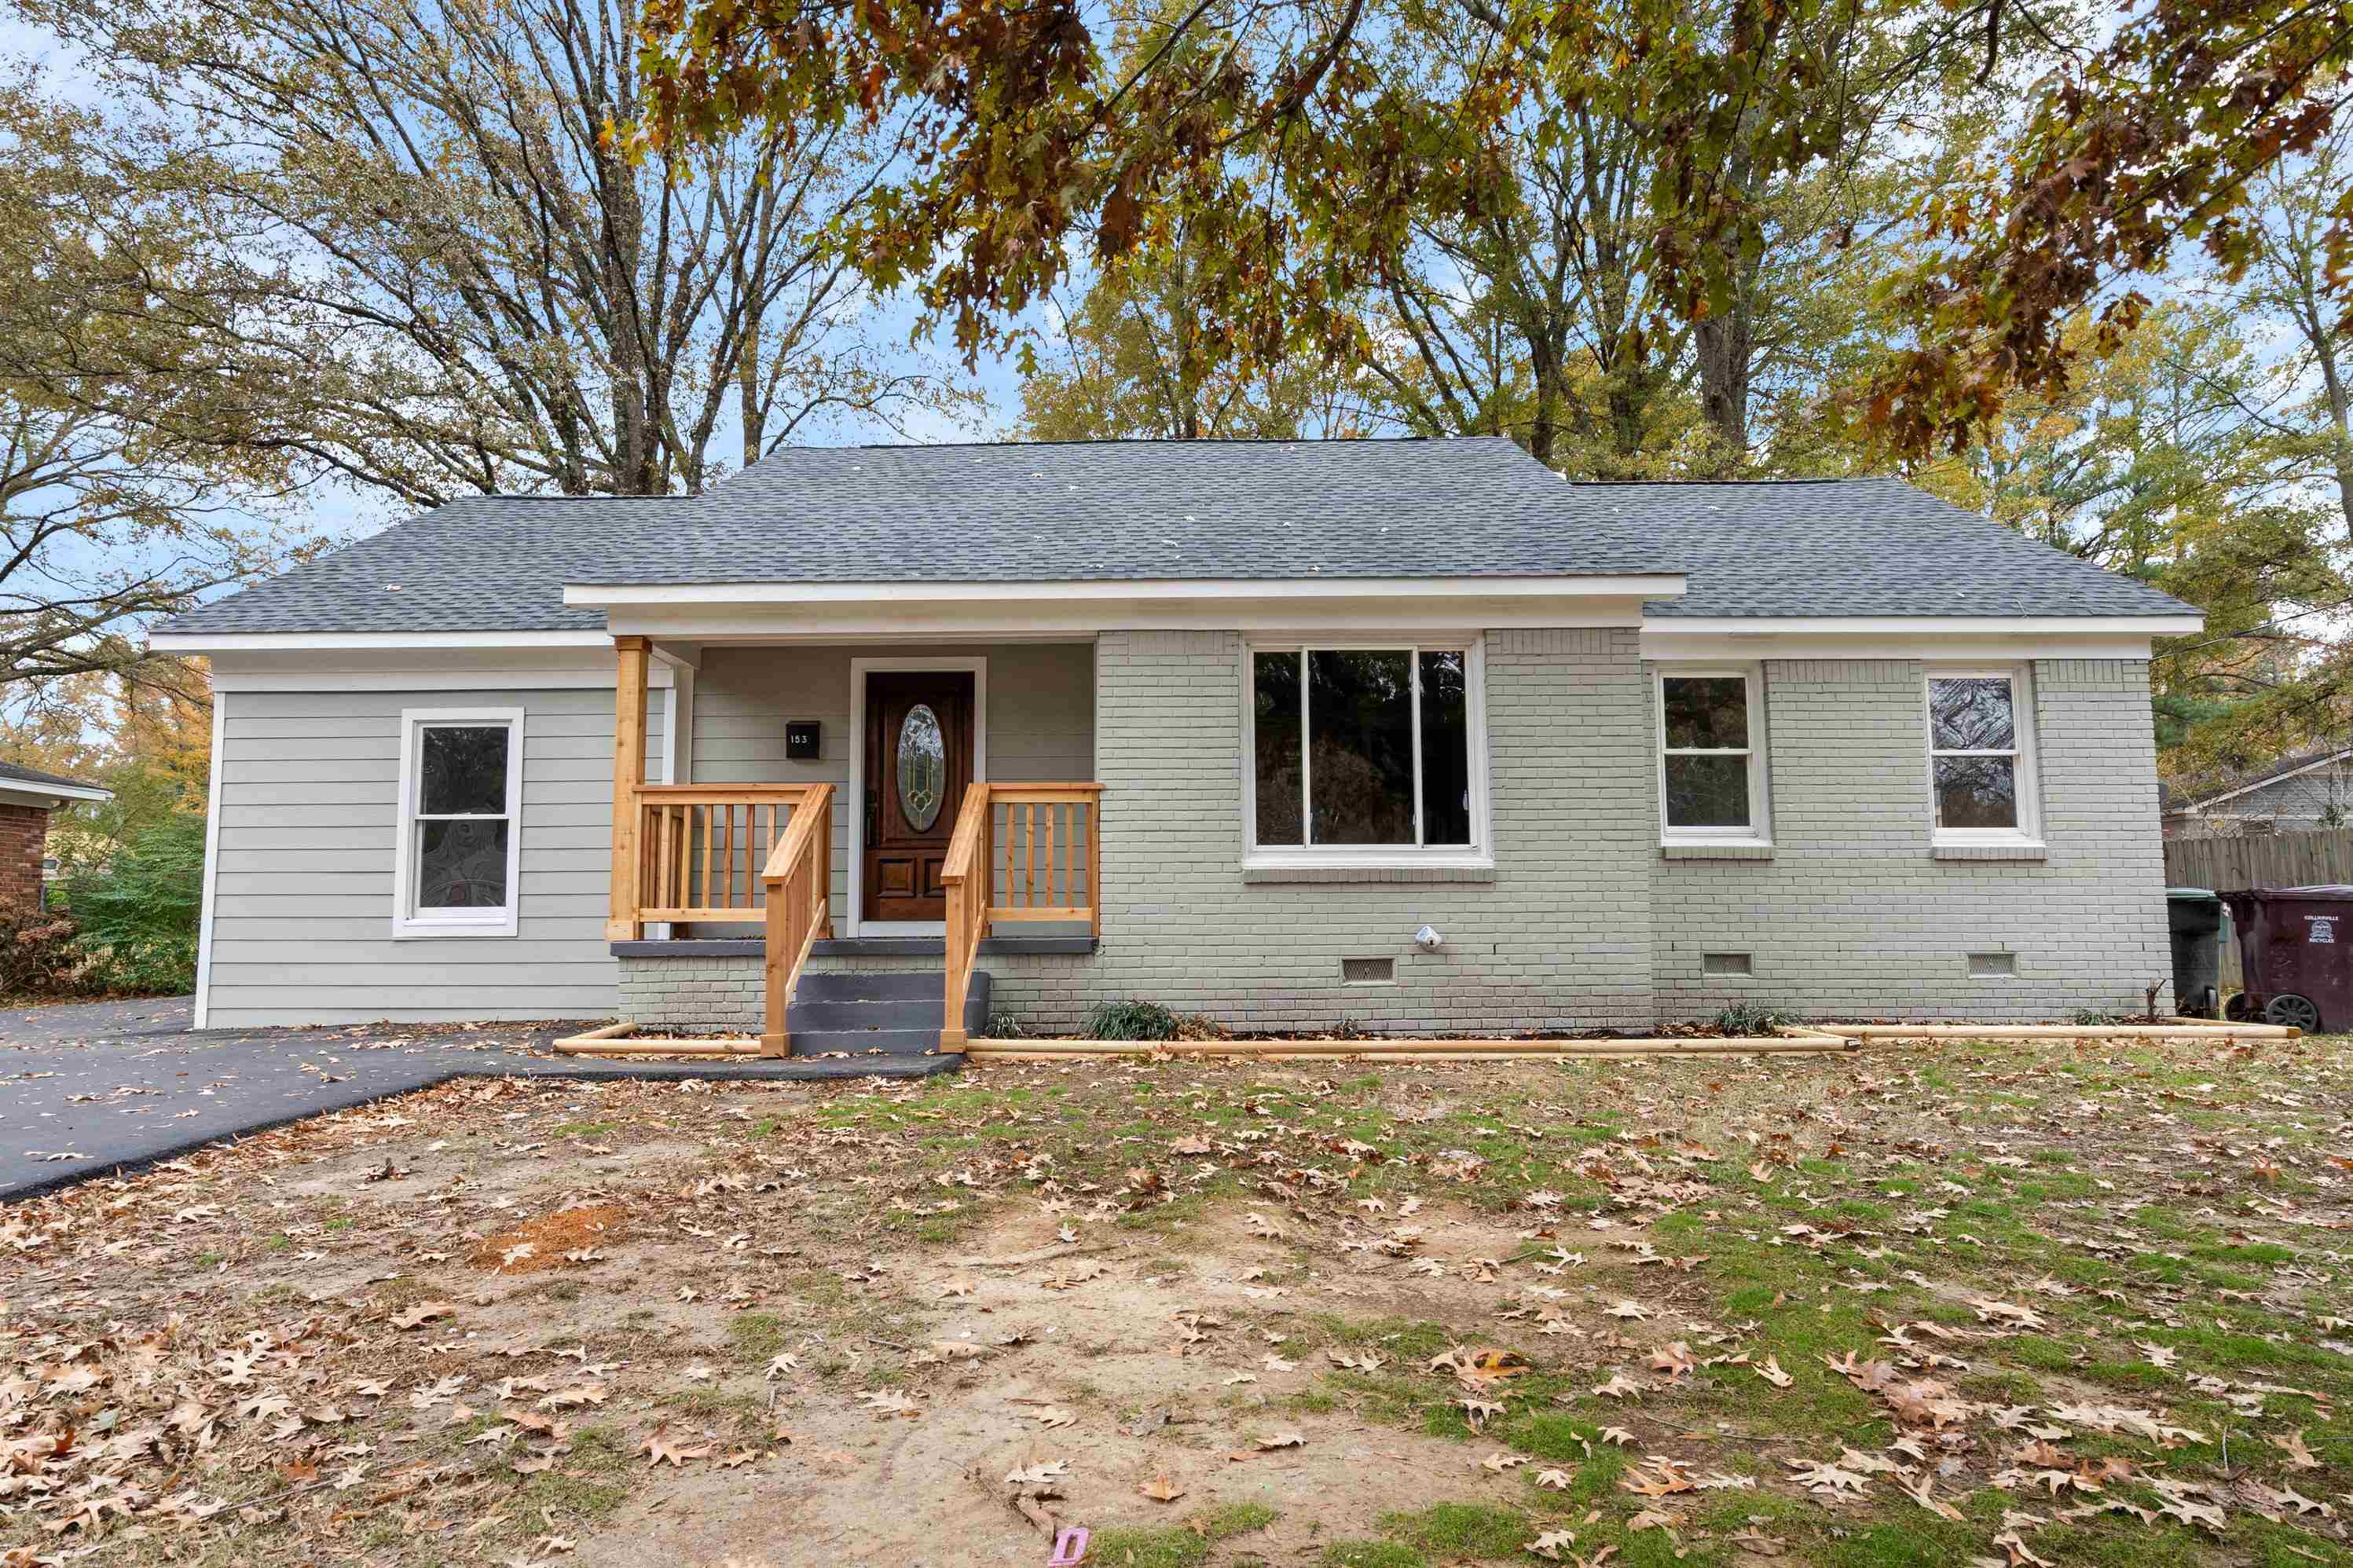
<point x="40" y="956"/>
<point x="2093" y="1018"/>
<point x="1132" y="1020"/>
<point x="1005" y="1027"/>
<point x="1747" y="1018"/>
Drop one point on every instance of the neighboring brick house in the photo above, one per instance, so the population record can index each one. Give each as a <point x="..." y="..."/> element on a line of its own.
<point x="1409" y="734"/>
<point x="2296" y="795"/>
<point x="27" y="795"/>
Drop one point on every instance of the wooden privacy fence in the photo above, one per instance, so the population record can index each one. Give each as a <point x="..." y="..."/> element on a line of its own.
<point x="2260" y="860"/>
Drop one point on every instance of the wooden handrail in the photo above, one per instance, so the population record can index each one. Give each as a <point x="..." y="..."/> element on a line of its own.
<point x="965" y="876"/>
<point x="700" y="848"/>
<point x="1042" y="820"/>
<point x="798" y="877"/>
<point x="713" y="793"/>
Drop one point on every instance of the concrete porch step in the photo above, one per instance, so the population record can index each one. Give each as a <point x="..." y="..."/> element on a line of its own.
<point x="866" y="1010"/>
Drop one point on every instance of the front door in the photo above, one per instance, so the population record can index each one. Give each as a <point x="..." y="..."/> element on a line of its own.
<point x="918" y="762"/>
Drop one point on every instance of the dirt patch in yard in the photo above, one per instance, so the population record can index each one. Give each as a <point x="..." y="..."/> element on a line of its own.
<point x="1923" y="1304"/>
<point x="551" y="1240"/>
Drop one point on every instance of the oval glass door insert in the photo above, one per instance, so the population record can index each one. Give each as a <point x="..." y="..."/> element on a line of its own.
<point x="922" y="767"/>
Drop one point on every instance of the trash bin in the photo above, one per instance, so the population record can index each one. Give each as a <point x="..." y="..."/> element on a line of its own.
<point x="2296" y="955"/>
<point x="2194" y="918"/>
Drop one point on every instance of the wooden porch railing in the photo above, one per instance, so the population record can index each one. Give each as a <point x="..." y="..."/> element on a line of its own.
<point x="701" y="847"/>
<point x="1053" y="869"/>
<point x="799" y="878"/>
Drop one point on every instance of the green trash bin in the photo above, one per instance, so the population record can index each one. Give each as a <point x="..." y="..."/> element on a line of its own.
<point x="2194" y="920"/>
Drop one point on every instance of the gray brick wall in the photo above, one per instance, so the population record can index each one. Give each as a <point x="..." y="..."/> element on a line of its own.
<point x="1855" y="915"/>
<point x="1558" y="936"/>
<point x="694" y="995"/>
<point x="1584" y="919"/>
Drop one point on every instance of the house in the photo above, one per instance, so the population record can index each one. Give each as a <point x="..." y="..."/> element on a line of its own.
<point x="2294" y="795"/>
<point x="1412" y="734"/>
<point x="27" y="795"/>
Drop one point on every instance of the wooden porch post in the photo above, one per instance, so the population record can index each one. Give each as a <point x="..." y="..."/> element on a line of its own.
<point x="629" y="777"/>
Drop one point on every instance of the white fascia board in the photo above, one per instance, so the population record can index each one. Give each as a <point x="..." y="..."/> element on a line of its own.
<point x="1016" y="621"/>
<point x="1649" y="585"/>
<point x="313" y="642"/>
<point x="1927" y="625"/>
<point x="24" y="791"/>
<point x="1677" y="639"/>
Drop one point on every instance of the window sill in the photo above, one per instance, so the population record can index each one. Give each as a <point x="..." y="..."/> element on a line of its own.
<point x="1403" y="871"/>
<point x="412" y="930"/>
<point x="1715" y="849"/>
<point x="1983" y="850"/>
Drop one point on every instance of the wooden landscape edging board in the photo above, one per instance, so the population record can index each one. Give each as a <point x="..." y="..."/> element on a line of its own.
<point x="613" y="1040"/>
<point x="2061" y="1031"/>
<point x="1794" y="1042"/>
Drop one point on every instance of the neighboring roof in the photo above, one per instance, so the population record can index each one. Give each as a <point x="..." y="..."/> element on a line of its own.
<point x="45" y="784"/>
<point x="2286" y="767"/>
<point x="1217" y="511"/>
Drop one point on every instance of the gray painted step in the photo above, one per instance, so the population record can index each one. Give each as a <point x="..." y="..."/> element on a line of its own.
<point x="872" y="985"/>
<point x="877" y="1010"/>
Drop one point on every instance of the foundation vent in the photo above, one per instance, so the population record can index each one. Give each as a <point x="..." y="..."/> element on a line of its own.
<point x="1725" y="963"/>
<point x="1369" y="971"/>
<point x="1992" y="966"/>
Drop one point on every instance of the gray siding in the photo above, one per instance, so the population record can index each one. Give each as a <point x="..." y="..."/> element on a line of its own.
<point x="1854" y="916"/>
<point x="303" y="888"/>
<point x="1040" y="721"/>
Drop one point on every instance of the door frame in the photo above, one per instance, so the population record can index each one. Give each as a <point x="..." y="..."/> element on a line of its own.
<point x="852" y="922"/>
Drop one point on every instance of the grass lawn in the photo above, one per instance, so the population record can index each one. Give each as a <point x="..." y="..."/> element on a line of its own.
<point x="1947" y="1303"/>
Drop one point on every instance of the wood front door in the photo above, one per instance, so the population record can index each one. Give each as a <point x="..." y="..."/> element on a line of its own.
<point x="918" y="762"/>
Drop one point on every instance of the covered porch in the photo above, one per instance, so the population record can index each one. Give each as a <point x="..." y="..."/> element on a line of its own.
<point x="812" y="805"/>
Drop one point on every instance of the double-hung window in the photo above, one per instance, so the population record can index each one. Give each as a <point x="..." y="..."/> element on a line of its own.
<point x="1712" y="785"/>
<point x="459" y="841"/>
<point x="1365" y="753"/>
<point x="1980" y="763"/>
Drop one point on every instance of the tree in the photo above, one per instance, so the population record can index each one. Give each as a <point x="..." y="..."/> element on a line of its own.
<point x="2288" y="278"/>
<point x="430" y="275"/>
<point x="105" y="523"/>
<point x="1137" y="355"/>
<point x="2124" y="148"/>
<point x="2150" y="464"/>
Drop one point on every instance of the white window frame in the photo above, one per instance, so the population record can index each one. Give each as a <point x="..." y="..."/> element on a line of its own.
<point x="2021" y="749"/>
<point x="407" y="922"/>
<point x="1758" y="834"/>
<point x="1477" y="855"/>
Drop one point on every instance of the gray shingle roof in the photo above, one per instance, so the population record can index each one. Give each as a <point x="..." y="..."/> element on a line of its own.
<point x="1133" y="510"/>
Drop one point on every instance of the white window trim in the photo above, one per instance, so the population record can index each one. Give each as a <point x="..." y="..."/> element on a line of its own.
<point x="2028" y="833"/>
<point x="1478" y="854"/>
<point x="1758" y="834"/>
<point x="503" y="921"/>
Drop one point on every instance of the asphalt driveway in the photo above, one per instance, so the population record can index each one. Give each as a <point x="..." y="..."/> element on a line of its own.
<point x="90" y="1088"/>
